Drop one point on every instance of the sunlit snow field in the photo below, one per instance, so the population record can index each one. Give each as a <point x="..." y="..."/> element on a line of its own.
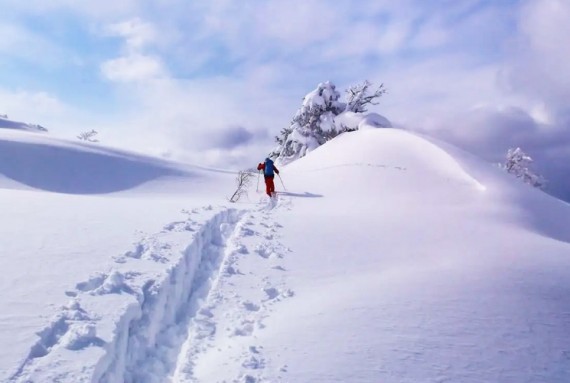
<point x="385" y="257"/>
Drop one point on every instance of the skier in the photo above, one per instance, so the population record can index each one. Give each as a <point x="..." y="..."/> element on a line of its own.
<point x="269" y="171"/>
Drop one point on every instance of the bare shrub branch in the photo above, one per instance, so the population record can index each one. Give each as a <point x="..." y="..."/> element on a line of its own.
<point x="243" y="179"/>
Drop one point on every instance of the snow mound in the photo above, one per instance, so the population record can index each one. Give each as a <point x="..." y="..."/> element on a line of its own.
<point x="359" y="121"/>
<point x="388" y="148"/>
<point x="40" y="162"/>
<point x="374" y="120"/>
<point x="391" y="162"/>
<point x="416" y="254"/>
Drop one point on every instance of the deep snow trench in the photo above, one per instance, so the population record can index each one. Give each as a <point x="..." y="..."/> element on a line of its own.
<point x="151" y="334"/>
<point x="200" y="306"/>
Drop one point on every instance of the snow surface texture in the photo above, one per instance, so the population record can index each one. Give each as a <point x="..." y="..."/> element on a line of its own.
<point x="389" y="258"/>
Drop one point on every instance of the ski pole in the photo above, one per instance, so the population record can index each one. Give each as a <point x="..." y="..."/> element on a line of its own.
<point x="280" y="179"/>
<point x="258" y="173"/>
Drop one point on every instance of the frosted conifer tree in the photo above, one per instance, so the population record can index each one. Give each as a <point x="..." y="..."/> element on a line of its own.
<point x="317" y="121"/>
<point x="312" y="125"/>
<point x="518" y="164"/>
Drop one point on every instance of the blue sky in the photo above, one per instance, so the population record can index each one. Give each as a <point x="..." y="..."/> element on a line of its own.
<point x="184" y="78"/>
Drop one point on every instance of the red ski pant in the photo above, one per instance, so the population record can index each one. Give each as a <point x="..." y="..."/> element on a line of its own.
<point x="269" y="186"/>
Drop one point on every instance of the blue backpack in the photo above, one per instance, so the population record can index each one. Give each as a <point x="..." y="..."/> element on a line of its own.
<point x="269" y="168"/>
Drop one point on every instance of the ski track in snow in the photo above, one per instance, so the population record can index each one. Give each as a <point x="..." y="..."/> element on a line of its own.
<point x="171" y="318"/>
<point x="227" y="324"/>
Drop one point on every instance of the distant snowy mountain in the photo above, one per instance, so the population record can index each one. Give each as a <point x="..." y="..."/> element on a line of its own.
<point x="6" y="123"/>
<point x="388" y="257"/>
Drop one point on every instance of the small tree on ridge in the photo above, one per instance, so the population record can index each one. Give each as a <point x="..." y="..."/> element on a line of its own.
<point x="518" y="163"/>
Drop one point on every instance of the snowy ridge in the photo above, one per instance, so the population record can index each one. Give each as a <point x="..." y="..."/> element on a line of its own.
<point x="421" y="158"/>
<point x="29" y="160"/>
<point x="538" y="212"/>
<point x="6" y="123"/>
<point x="154" y="315"/>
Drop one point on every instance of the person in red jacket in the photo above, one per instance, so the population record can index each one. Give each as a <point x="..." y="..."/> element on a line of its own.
<point x="269" y="171"/>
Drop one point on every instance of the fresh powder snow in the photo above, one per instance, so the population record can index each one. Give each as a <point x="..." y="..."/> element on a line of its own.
<point x="386" y="256"/>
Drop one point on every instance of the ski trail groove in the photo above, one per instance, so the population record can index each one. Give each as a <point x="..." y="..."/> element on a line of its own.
<point x="150" y="334"/>
<point x="137" y="322"/>
<point x="141" y="338"/>
<point x="223" y="341"/>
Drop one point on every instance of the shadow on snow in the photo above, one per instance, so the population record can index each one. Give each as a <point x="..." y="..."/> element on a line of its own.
<point x="302" y="195"/>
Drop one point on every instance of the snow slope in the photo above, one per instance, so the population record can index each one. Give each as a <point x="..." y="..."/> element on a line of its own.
<point x="71" y="212"/>
<point x="421" y="264"/>
<point x="389" y="258"/>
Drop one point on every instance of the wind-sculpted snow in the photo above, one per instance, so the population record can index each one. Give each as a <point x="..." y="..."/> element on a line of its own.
<point x="537" y="210"/>
<point x="6" y="123"/>
<point x="76" y="168"/>
<point x="391" y="149"/>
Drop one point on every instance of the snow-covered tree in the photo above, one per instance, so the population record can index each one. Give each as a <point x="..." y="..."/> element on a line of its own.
<point x="312" y="125"/>
<point x="322" y="117"/>
<point x="358" y="97"/>
<point x="518" y="164"/>
<point x="88" y="136"/>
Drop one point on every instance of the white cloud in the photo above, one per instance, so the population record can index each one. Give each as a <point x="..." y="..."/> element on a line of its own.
<point x="96" y="9"/>
<point x="133" y="67"/>
<point x="369" y="37"/>
<point x="432" y="34"/>
<point x="422" y="93"/>
<point x="22" y="43"/>
<point x="34" y="104"/>
<point x="538" y="65"/>
<point x="297" y="23"/>
<point x="137" y="33"/>
<point x="199" y="120"/>
<point x="544" y="24"/>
